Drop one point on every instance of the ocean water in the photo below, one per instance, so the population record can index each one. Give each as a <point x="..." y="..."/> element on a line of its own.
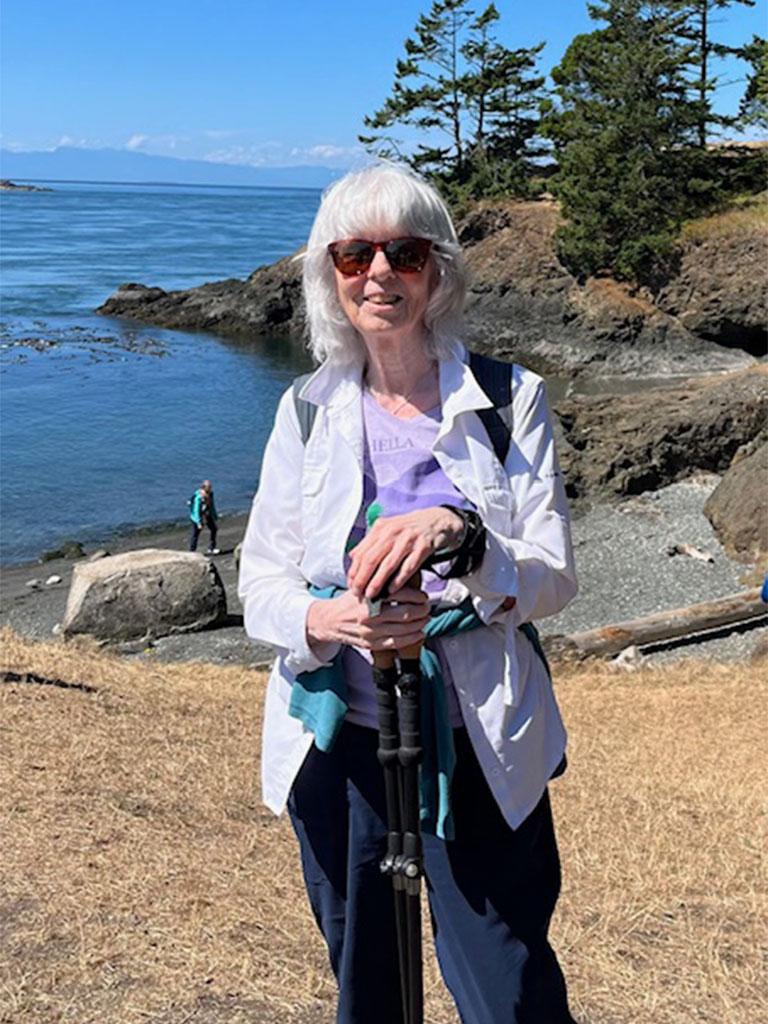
<point x="106" y="425"/>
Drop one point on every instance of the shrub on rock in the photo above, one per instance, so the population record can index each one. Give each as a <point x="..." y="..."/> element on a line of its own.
<point x="146" y="593"/>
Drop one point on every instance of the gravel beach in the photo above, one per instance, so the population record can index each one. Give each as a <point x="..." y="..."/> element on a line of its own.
<point x="622" y="560"/>
<point x="625" y="570"/>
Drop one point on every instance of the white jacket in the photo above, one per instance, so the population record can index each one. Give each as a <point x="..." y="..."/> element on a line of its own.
<point x="302" y="514"/>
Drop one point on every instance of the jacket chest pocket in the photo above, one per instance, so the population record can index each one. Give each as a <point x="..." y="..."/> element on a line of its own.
<point x="499" y="508"/>
<point x="313" y="480"/>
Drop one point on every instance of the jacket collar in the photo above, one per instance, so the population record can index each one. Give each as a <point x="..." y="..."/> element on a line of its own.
<point x="333" y="386"/>
<point x="337" y="386"/>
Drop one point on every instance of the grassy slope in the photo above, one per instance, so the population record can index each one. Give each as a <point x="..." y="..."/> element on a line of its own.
<point x="143" y="881"/>
<point x="746" y="214"/>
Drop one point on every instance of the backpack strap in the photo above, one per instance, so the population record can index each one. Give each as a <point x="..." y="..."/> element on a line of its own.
<point x="495" y="378"/>
<point x="306" y="411"/>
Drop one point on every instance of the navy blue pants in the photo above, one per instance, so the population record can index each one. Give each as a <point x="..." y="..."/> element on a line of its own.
<point x="196" y="530"/>
<point x="491" y="891"/>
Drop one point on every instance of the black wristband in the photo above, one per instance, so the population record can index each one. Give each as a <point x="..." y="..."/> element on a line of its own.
<point x="469" y="554"/>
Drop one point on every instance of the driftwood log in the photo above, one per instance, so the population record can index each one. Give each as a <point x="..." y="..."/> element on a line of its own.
<point x="651" y="629"/>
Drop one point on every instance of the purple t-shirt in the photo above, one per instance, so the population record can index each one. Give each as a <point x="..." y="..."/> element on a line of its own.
<point x="400" y="474"/>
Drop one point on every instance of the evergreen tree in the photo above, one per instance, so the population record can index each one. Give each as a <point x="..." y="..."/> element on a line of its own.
<point x="459" y="82"/>
<point x="697" y="30"/>
<point x="622" y="124"/>
<point x="434" y="102"/>
<point x="754" y="103"/>
<point x="513" y="138"/>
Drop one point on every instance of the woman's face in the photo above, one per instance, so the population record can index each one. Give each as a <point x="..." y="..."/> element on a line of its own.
<point x="381" y="303"/>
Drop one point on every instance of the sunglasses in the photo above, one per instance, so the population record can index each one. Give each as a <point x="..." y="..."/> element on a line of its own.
<point x="353" y="256"/>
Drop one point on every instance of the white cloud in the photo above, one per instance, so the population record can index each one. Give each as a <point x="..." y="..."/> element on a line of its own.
<point x="72" y="143"/>
<point x="265" y="153"/>
<point x="277" y="154"/>
<point x="153" y="143"/>
<point x="326" y="152"/>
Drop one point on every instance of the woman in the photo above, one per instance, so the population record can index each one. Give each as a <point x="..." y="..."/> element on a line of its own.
<point x="396" y="425"/>
<point x="202" y="513"/>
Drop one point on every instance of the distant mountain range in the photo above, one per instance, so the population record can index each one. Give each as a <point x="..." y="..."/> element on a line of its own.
<point x="68" y="163"/>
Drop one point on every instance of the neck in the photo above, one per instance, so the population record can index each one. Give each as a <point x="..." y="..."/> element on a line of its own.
<point x="395" y="370"/>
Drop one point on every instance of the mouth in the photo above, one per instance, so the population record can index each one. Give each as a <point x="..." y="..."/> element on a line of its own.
<point x="382" y="301"/>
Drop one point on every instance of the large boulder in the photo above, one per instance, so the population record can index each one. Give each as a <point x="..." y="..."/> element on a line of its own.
<point x="738" y="508"/>
<point x="146" y="593"/>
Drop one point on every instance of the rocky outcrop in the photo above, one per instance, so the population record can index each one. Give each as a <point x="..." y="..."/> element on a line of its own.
<point x="720" y="290"/>
<point x="268" y="302"/>
<point x="144" y="594"/>
<point x="614" y="446"/>
<point x="11" y="186"/>
<point x="738" y="508"/>
<point x="523" y="303"/>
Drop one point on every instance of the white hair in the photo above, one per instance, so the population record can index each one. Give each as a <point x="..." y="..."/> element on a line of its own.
<point x="362" y="204"/>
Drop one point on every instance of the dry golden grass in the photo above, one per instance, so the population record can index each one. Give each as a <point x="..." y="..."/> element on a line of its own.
<point x="743" y="217"/>
<point x="143" y="882"/>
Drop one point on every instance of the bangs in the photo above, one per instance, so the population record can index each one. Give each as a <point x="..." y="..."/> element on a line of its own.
<point x="372" y="205"/>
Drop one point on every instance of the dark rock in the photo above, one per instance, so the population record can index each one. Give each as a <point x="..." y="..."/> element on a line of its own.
<point x="738" y="508"/>
<point x="624" y="445"/>
<point x="268" y="302"/>
<point x="720" y="290"/>
<point x="145" y="593"/>
<point x="11" y="186"/>
<point x="69" y="549"/>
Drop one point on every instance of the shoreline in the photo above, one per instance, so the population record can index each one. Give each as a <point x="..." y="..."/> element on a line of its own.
<point x="174" y="532"/>
<point x="623" y="566"/>
<point x="33" y="612"/>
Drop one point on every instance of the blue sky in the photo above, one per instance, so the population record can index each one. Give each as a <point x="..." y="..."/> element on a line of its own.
<point x="262" y="82"/>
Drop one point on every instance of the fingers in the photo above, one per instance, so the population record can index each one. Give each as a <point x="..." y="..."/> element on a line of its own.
<point x="413" y="612"/>
<point x="386" y="558"/>
<point x="397" y="643"/>
<point x="396" y="547"/>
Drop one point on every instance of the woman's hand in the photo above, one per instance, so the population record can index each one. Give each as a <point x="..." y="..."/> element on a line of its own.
<point x="397" y="546"/>
<point x="346" y="620"/>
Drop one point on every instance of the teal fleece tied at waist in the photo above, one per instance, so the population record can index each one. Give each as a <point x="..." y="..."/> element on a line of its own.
<point x="319" y="700"/>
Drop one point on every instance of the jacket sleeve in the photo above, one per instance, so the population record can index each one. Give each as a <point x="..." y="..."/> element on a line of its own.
<point x="274" y="593"/>
<point x="195" y="513"/>
<point x="534" y="561"/>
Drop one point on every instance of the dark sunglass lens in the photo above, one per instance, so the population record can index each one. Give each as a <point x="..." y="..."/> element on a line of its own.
<point x="352" y="257"/>
<point x="408" y="255"/>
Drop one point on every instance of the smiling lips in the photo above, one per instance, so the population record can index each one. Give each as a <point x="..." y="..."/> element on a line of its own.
<point x="382" y="300"/>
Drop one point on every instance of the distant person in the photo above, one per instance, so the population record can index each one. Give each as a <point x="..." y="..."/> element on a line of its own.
<point x="202" y="513"/>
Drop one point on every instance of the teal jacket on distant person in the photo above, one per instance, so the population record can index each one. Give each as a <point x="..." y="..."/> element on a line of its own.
<point x="200" y="507"/>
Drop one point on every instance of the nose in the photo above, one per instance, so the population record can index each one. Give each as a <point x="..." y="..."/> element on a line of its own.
<point x="380" y="265"/>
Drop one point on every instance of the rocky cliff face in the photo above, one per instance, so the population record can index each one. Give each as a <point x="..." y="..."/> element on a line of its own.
<point x="620" y="445"/>
<point x="524" y="304"/>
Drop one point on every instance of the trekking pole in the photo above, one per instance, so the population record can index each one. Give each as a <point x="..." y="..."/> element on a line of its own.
<point x="412" y="861"/>
<point x="400" y="754"/>
<point x="385" y="675"/>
